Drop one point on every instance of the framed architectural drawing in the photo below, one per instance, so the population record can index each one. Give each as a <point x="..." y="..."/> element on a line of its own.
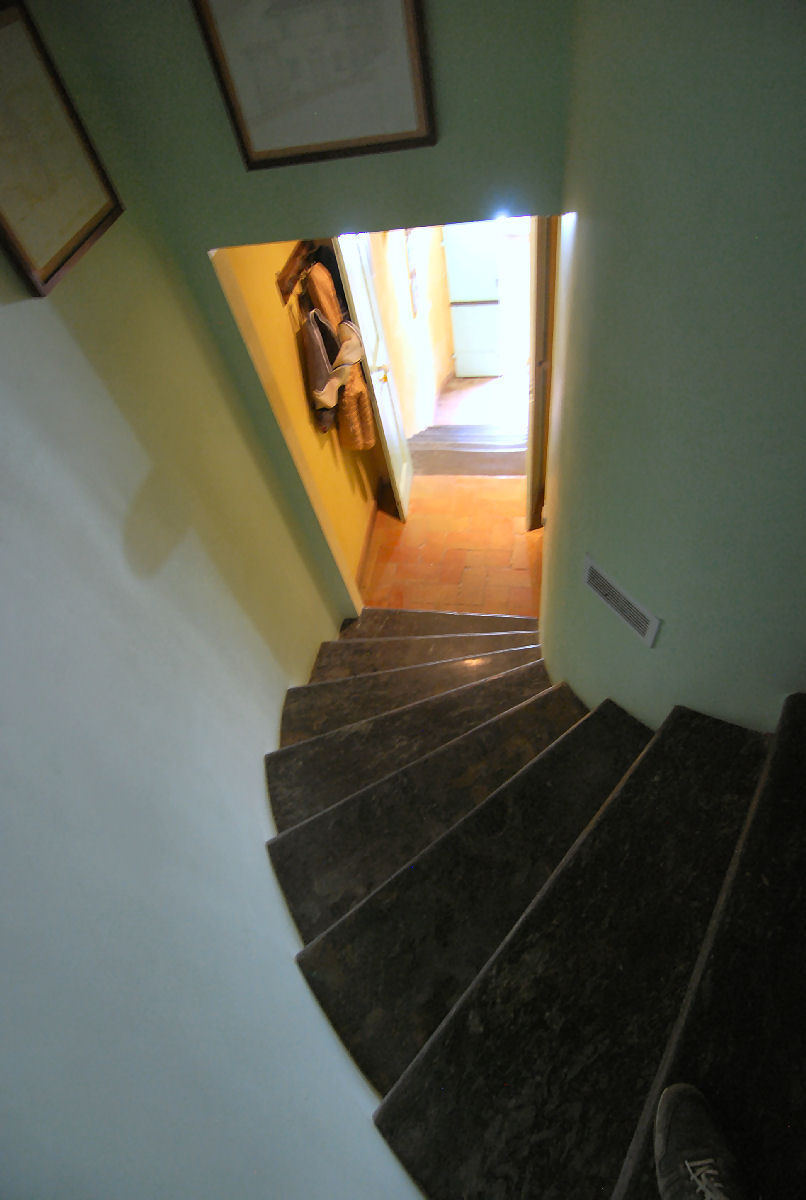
<point x="55" y="197"/>
<point x="317" y="79"/>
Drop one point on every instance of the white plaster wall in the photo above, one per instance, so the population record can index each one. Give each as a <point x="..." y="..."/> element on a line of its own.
<point x="156" y="1038"/>
<point x="677" y="456"/>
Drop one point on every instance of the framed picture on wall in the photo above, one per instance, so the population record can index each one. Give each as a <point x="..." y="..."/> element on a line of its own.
<point x="55" y="197"/>
<point x="319" y="79"/>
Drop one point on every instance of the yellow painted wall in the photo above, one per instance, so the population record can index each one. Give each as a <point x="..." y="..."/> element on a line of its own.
<point x="438" y="303"/>
<point x="342" y="484"/>
<point x="420" y="345"/>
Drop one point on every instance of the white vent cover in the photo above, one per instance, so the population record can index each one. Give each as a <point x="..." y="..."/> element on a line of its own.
<point x="636" y="616"/>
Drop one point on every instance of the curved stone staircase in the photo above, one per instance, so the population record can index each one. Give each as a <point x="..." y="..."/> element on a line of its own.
<point x="523" y="918"/>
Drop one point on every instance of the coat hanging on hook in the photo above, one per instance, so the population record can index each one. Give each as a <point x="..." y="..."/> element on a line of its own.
<point x="333" y="353"/>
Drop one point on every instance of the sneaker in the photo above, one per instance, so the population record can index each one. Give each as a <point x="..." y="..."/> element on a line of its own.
<point x="351" y="348"/>
<point x="692" y="1159"/>
<point x="322" y="346"/>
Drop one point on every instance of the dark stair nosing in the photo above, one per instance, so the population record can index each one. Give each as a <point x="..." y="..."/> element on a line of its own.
<point x="385" y="622"/>
<point x="741" y="1027"/>
<point x="317" y="708"/>
<point x="331" y="861"/>
<point x="538" y="1074"/>
<point x="311" y="775"/>
<point x="414" y="945"/>
<point x="345" y="658"/>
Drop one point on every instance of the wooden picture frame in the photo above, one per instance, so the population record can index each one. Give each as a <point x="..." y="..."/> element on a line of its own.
<point x="313" y="80"/>
<point x="55" y="197"/>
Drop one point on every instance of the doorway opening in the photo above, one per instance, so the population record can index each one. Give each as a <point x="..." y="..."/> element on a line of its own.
<point x="454" y="304"/>
<point x="448" y="320"/>
<point x="460" y="301"/>
<point x="481" y="413"/>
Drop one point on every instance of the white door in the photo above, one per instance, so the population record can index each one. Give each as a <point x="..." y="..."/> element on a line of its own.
<point x="352" y="252"/>
<point x="471" y="259"/>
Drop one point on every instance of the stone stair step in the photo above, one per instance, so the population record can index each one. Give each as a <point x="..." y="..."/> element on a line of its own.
<point x="330" y="862"/>
<point x="390" y="970"/>
<point x="534" y="1082"/>
<point x="319" y="707"/>
<point x="468" y="450"/>
<point x="467" y="460"/>
<point x="361" y="656"/>
<point x="470" y="435"/>
<point x="745" y="1034"/>
<point x="401" y="622"/>
<point x="310" y="776"/>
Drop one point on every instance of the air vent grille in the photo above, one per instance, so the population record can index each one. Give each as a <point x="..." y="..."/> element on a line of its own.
<point x="636" y="616"/>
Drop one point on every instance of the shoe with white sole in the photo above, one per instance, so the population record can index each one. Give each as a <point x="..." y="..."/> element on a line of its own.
<point x="692" y="1158"/>
<point x="321" y="348"/>
<point x="351" y="348"/>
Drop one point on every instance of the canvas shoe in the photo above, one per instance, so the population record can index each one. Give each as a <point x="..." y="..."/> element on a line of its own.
<point x="351" y="348"/>
<point x="321" y="348"/>
<point x="692" y="1158"/>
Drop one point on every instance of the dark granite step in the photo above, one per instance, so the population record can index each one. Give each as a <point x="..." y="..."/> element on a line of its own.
<point x="534" y="1082"/>
<point x="310" y="776"/>
<point x="361" y="656"/>
<point x="403" y="622"/>
<point x="330" y="862"/>
<point x="743" y="1040"/>
<point x="389" y="971"/>
<point x="320" y="707"/>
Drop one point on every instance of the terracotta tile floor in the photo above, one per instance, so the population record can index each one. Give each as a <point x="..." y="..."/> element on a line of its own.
<point x="464" y="548"/>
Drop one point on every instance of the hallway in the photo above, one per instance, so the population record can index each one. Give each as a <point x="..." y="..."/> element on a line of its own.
<point x="464" y="548"/>
<point x="499" y="400"/>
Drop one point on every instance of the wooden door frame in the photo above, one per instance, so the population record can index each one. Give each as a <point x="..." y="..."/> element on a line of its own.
<point x="545" y="244"/>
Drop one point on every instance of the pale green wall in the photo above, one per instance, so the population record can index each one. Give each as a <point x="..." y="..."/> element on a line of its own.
<point x="678" y="457"/>
<point x="157" y="1039"/>
<point x="140" y="75"/>
<point x="162" y="582"/>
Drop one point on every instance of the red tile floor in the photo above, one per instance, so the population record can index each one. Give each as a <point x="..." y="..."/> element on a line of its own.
<point x="464" y="548"/>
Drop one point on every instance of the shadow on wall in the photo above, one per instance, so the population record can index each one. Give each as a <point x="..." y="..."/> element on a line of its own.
<point x="12" y="288"/>
<point x="141" y="336"/>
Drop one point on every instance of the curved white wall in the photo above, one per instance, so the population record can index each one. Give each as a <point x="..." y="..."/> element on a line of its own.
<point x="157" y="1039"/>
<point x="163" y="582"/>
<point x="678" y="451"/>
